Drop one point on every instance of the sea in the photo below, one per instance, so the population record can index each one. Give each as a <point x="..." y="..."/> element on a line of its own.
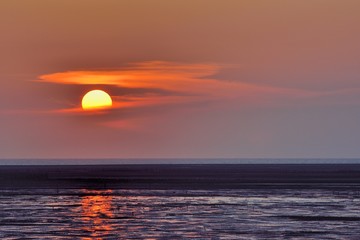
<point x="323" y="213"/>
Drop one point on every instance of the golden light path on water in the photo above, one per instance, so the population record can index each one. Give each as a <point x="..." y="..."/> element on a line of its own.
<point x="96" y="209"/>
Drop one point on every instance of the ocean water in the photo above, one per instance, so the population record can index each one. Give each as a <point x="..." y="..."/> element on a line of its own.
<point x="332" y="213"/>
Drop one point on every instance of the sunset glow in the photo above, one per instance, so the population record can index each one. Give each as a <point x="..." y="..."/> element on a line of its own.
<point x="192" y="79"/>
<point x="164" y="119"/>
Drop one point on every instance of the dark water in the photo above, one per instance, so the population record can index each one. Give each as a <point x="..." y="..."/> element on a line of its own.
<point x="180" y="214"/>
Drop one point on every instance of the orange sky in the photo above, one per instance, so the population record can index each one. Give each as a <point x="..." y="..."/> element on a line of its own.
<point x="189" y="78"/>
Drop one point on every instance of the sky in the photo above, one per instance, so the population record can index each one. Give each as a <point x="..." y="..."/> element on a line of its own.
<point x="188" y="78"/>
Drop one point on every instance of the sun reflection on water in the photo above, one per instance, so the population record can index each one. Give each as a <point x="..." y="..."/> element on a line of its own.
<point x="96" y="206"/>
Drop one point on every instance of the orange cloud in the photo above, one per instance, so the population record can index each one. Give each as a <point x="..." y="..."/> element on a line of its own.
<point x="178" y="83"/>
<point x="164" y="75"/>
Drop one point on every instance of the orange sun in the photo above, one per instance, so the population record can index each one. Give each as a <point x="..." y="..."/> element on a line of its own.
<point x="95" y="100"/>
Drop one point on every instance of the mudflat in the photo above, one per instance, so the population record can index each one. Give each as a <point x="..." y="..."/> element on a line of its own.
<point x="180" y="176"/>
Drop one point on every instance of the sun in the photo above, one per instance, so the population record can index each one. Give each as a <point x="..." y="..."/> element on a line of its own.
<point x="95" y="100"/>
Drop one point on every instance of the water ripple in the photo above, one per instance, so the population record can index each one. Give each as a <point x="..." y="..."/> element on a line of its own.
<point x="164" y="214"/>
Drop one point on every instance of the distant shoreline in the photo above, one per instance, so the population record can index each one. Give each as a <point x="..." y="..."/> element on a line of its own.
<point x="184" y="176"/>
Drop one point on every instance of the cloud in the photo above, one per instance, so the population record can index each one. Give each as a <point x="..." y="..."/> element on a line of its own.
<point x="139" y="87"/>
<point x="161" y="75"/>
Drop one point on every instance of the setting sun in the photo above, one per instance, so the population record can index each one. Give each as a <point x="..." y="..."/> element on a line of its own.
<point x="96" y="99"/>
